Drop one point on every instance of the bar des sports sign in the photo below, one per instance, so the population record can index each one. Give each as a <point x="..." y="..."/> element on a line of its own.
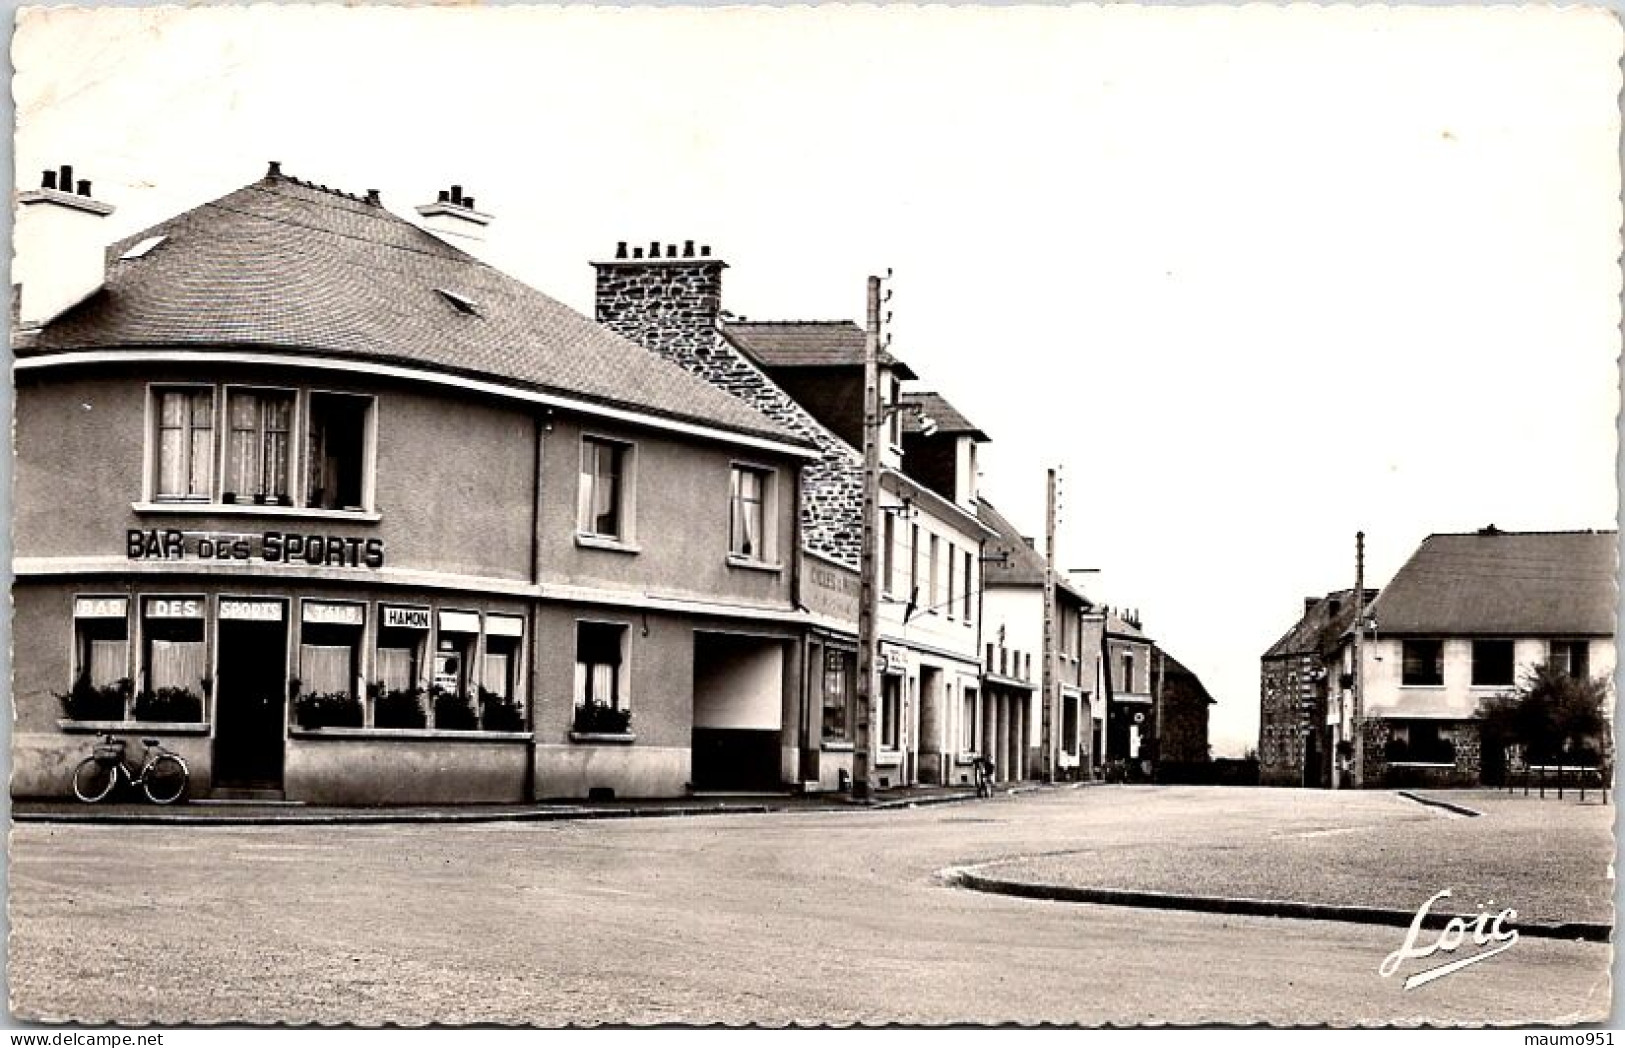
<point x="276" y="547"/>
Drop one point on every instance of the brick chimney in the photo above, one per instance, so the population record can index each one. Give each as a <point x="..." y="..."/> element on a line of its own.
<point x="452" y="218"/>
<point x="666" y="297"/>
<point x="60" y="245"/>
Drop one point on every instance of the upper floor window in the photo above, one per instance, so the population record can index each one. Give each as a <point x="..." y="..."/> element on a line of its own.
<point x="258" y="454"/>
<point x="602" y="506"/>
<point x="1422" y="662"/>
<point x="185" y="443"/>
<point x="1492" y="662"/>
<point x="252" y="454"/>
<point x="750" y="513"/>
<point x="1572" y="657"/>
<point x="970" y="587"/>
<point x="1128" y="672"/>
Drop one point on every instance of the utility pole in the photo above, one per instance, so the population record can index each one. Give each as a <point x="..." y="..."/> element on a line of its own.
<point x="868" y="591"/>
<point x="1046" y="738"/>
<point x="1358" y="725"/>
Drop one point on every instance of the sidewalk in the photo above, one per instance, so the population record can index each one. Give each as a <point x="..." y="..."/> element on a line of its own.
<point x="204" y="812"/>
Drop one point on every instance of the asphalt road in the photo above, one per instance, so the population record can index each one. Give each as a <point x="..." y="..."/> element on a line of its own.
<point x="826" y="917"/>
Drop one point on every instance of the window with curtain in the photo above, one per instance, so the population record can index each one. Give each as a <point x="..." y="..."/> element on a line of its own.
<point x="176" y="663"/>
<point x="747" y="517"/>
<point x="1422" y="662"/>
<point x="891" y="709"/>
<point x="258" y="449"/>
<point x="840" y="679"/>
<point x="602" y="491"/>
<point x="102" y="648"/>
<point x="599" y="665"/>
<point x="185" y="444"/>
<point x="336" y="441"/>
<point x="967" y="722"/>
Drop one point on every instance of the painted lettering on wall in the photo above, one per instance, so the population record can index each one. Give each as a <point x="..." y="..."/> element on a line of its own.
<point x="277" y="547"/>
<point x="174" y="608"/>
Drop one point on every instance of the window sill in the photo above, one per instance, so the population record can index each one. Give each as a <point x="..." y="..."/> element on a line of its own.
<point x="605" y="543"/>
<point x="1420" y="764"/>
<point x="132" y="727"/>
<point x="835" y="746"/>
<point x="737" y="561"/>
<point x="1491" y="687"/>
<point x="1421" y="687"/>
<point x="238" y="509"/>
<point x="888" y="758"/>
<point x="433" y="734"/>
<point x="966" y="758"/>
<point x="598" y="738"/>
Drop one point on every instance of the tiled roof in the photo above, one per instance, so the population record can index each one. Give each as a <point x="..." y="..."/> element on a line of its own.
<point x="282" y="264"/>
<point x="1504" y="583"/>
<point x="1122" y="629"/>
<point x="1179" y="681"/>
<point x="935" y="407"/>
<point x="806" y="344"/>
<point x="1024" y="565"/>
<point x="1322" y="624"/>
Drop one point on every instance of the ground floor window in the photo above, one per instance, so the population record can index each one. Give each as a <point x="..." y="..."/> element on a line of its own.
<point x="601" y="700"/>
<point x="1420" y="742"/>
<point x="1069" y="725"/>
<point x="891" y="710"/>
<point x="839" y="685"/>
<point x="396" y="692"/>
<point x="968" y="721"/>
<point x="174" y="663"/>
<point x="501" y="708"/>
<point x="450" y="684"/>
<point x="330" y="637"/>
<point x="101" y="685"/>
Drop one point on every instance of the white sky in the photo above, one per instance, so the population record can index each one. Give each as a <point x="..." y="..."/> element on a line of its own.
<point x="1256" y="278"/>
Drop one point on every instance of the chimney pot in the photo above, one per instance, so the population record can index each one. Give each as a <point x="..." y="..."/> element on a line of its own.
<point x="637" y="252"/>
<point x="84" y="187"/>
<point x="49" y="181"/>
<point x="620" y="249"/>
<point x="273" y="169"/>
<point x="444" y="197"/>
<point x="456" y="194"/>
<point x="468" y="202"/>
<point x="705" y="250"/>
<point x="65" y="178"/>
<point x="688" y="249"/>
<point x="374" y="198"/>
<point x="654" y="249"/>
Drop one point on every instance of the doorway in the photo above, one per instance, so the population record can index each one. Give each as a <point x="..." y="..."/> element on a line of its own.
<point x="250" y="704"/>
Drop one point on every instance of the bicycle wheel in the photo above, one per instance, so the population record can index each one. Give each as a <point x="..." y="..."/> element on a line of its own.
<point x="164" y="781"/>
<point x="94" y="780"/>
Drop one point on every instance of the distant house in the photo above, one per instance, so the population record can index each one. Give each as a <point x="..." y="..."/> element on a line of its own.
<point x="1297" y="739"/>
<point x="1127" y="717"/>
<point x="1182" y="713"/>
<point x="1465" y="618"/>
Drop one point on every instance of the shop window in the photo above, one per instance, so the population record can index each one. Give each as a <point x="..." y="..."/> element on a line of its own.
<point x="450" y="682"/>
<point x="1571" y="657"/>
<point x="968" y="721"/>
<point x="336" y="446"/>
<point x="601" y="700"/>
<point x="840" y="679"/>
<point x="397" y="688"/>
<point x="259" y="426"/>
<point x="330" y="648"/>
<point x="500" y="705"/>
<point x="750" y="518"/>
<point x="101" y="685"/>
<point x="174" y="669"/>
<point x="185" y="444"/>
<point x="891" y="709"/>
<point x="603" y="507"/>
<point x="1422" y="662"/>
<point x="1492" y="662"/>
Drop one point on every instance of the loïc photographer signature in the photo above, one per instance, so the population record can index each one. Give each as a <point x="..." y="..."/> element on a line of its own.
<point x="1487" y="934"/>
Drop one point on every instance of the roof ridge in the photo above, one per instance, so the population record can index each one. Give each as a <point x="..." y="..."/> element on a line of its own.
<point x="274" y="173"/>
<point x="1502" y="531"/>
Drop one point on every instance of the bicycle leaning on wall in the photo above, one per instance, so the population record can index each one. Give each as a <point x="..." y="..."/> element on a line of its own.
<point x="163" y="775"/>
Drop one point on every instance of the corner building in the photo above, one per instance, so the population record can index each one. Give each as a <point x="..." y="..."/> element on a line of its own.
<point x="346" y="516"/>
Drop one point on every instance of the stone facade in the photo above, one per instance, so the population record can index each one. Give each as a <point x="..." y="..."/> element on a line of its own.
<point x="670" y="302"/>
<point x="1379" y="773"/>
<point x="1291" y="699"/>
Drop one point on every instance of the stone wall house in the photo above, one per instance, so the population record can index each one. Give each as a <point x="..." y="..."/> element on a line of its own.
<point x="808" y="376"/>
<point x="1300" y="678"/>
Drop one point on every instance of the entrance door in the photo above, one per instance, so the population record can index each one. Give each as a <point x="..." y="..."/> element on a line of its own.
<point x="252" y="696"/>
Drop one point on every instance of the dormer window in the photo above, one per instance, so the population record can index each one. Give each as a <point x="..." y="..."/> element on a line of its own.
<point x="461" y="303"/>
<point x="140" y="249"/>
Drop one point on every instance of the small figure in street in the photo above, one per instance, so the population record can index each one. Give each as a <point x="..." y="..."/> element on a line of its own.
<point x="983" y="768"/>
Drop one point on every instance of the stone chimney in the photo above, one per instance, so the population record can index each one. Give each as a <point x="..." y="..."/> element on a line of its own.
<point x="60" y="247"/>
<point x="666" y="297"/>
<point x="452" y="217"/>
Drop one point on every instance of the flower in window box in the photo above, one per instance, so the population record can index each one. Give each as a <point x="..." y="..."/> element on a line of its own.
<point x="171" y="705"/>
<point x="453" y="711"/>
<point x="597" y="718"/>
<point x="284" y="500"/>
<point x="328" y="709"/>
<point x="397" y="707"/>
<point x="87" y="701"/>
<point x="229" y="498"/>
<point x="500" y="712"/>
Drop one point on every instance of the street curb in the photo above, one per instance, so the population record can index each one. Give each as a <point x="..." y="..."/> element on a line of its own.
<point x="1586" y="931"/>
<point x="1434" y="802"/>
